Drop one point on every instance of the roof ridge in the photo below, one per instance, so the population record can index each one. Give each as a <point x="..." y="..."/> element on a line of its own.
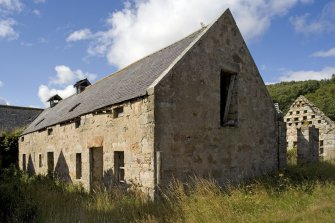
<point x="151" y="54"/>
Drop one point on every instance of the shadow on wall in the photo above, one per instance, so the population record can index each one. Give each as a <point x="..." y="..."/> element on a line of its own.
<point x="108" y="178"/>
<point x="31" y="168"/>
<point x="62" y="169"/>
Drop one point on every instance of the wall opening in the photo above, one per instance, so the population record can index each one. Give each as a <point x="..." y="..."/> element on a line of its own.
<point x="40" y="160"/>
<point x="78" y="166"/>
<point x="77" y="123"/>
<point x="51" y="162"/>
<point x="50" y="131"/>
<point x="228" y="99"/>
<point x="117" y="112"/>
<point x="96" y="167"/>
<point x="24" y="162"/>
<point x="119" y="166"/>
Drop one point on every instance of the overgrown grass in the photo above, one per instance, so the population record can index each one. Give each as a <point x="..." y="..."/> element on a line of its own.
<point x="299" y="194"/>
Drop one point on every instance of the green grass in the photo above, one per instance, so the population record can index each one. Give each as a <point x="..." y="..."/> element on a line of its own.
<point x="299" y="194"/>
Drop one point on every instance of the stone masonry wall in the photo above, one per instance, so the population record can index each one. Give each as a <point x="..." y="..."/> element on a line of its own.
<point x="303" y="113"/>
<point x="132" y="133"/>
<point x="187" y="113"/>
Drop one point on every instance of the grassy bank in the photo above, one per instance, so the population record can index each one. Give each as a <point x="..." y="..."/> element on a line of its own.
<point x="300" y="194"/>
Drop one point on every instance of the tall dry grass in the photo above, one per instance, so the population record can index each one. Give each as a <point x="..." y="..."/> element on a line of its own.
<point x="299" y="194"/>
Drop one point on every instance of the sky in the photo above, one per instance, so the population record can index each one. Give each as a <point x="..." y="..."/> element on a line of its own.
<point x="48" y="45"/>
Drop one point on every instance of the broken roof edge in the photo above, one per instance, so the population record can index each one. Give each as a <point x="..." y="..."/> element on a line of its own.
<point x="150" y="89"/>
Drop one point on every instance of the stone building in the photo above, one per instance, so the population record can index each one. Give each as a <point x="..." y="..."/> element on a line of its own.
<point x="14" y="117"/>
<point x="196" y="107"/>
<point x="304" y="113"/>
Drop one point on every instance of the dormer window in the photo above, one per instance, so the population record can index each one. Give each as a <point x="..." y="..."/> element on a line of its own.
<point x="54" y="100"/>
<point x="81" y="85"/>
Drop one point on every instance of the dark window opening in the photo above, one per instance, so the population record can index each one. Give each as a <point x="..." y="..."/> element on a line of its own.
<point x="305" y="118"/>
<point x="40" y="160"/>
<point x="319" y="121"/>
<point x="22" y="139"/>
<point x="295" y="144"/>
<point x="305" y="111"/>
<point x="119" y="166"/>
<point x="291" y="113"/>
<point x="117" y="112"/>
<point x="297" y="112"/>
<point x="313" y="116"/>
<point x="321" y="151"/>
<point x="77" y="123"/>
<point x="78" y="166"/>
<point x="321" y="142"/>
<point x="296" y="119"/>
<point x="310" y="122"/>
<point x="24" y="162"/>
<point x="289" y="124"/>
<point x="50" y="131"/>
<point x="228" y="99"/>
<point x="288" y="119"/>
<point x="51" y="163"/>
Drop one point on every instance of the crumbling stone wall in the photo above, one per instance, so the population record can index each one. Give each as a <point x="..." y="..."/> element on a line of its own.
<point x="304" y="113"/>
<point x="131" y="133"/>
<point x="308" y="145"/>
<point x="187" y="113"/>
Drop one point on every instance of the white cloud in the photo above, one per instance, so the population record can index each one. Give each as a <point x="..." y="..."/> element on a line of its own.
<point x="324" y="23"/>
<point x="301" y="75"/>
<point x="65" y="78"/>
<point x="1" y="83"/>
<point x="9" y="6"/>
<point x="6" y="29"/>
<point x="64" y="75"/>
<point x="327" y="53"/>
<point x="78" y="35"/>
<point x="142" y="27"/>
<point x="44" y="92"/>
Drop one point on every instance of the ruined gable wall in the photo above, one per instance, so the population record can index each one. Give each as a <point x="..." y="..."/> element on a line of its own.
<point x="187" y="113"/>
<point x="302" y="114"/>
<point x="132" y="133"/>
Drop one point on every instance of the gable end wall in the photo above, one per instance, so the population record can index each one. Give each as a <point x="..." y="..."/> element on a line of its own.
<point x="187" y="113"/>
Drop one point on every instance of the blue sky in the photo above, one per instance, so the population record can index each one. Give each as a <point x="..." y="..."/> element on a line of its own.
<point x="47" y="45"/>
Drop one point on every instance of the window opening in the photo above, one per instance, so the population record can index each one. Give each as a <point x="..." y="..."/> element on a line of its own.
<point x="119" y="166"/>
<point x="50" y="131"/>
<point x="228" y="99"/>
<point x="78" y="166"/>
<point x="40" y="160"/>
<point x="118" y="112"/>
<point x="77" y="123"/>
<point x="51" y="163"/>
<point x="24" y="162"/>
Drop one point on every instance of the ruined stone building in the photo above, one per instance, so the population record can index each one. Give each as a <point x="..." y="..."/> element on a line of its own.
<point x="15" y="117"/>
<point x="303" y="113"/>
<point x="198" y="106"/>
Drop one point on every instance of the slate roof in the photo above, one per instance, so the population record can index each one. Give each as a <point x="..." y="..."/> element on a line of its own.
<point x="14" y="117"/>
<point x="128" y="83"/>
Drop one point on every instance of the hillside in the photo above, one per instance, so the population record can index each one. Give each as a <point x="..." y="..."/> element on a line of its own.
<point x="321" y="93"/>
